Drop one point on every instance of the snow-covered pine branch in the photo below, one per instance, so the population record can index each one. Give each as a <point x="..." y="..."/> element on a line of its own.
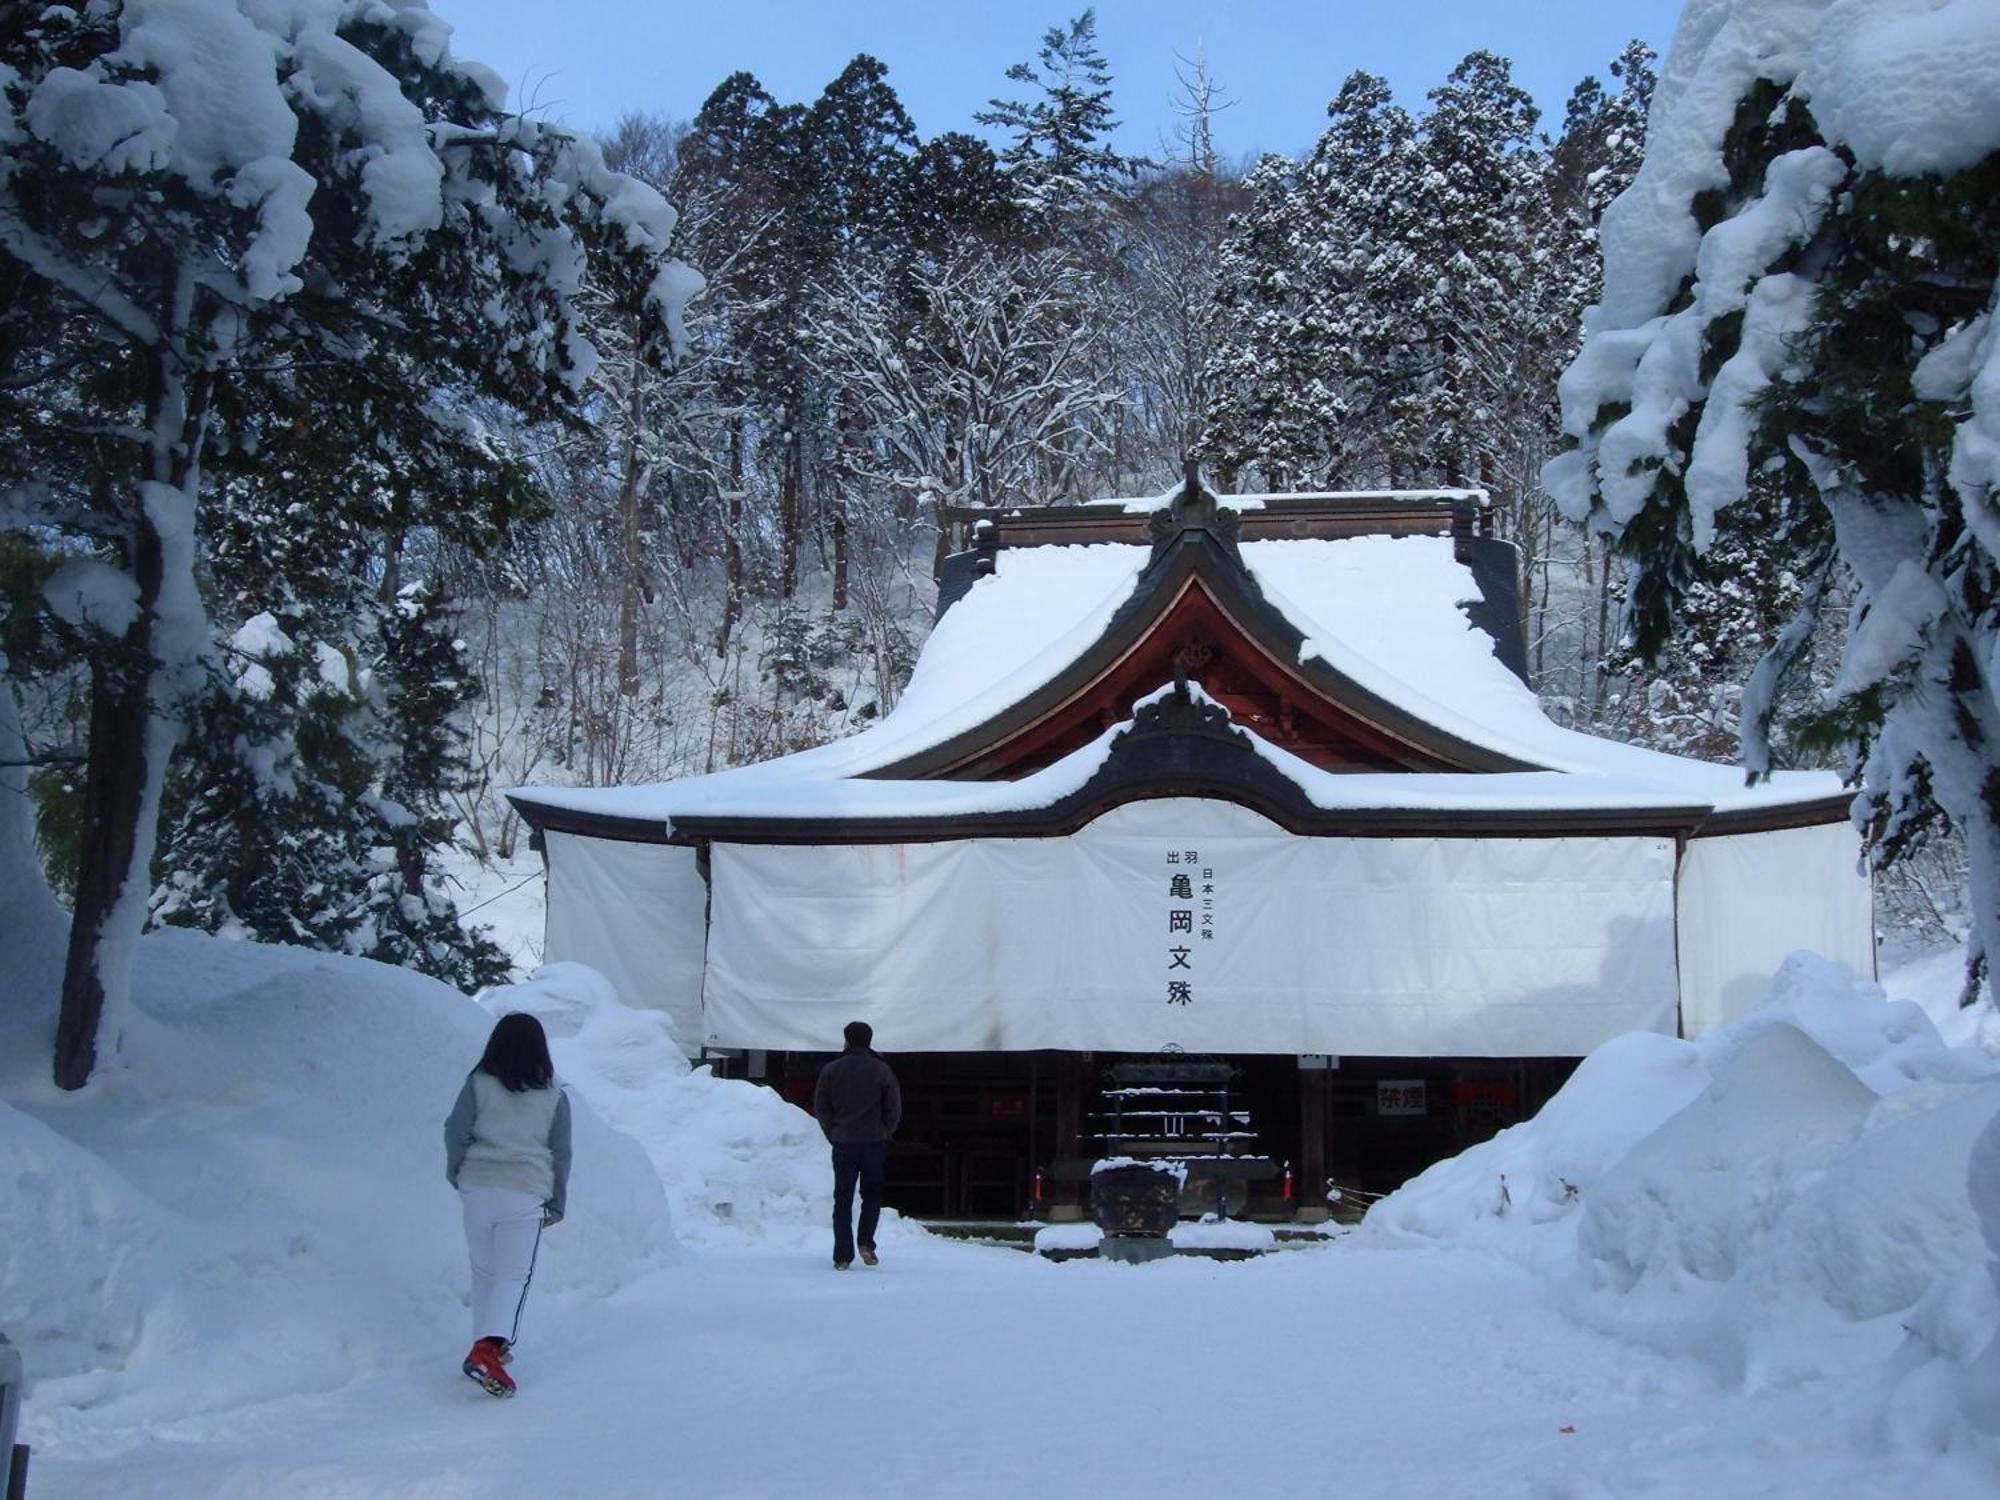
<point x="1799" y="293"/>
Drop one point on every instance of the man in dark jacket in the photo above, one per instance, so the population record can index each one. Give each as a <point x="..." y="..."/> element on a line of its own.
<point x="858" y="1106"/>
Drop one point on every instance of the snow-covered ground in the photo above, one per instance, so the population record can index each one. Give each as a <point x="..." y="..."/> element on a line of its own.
<point x="235" y="1270"/>
<point x="960" y="1371"/>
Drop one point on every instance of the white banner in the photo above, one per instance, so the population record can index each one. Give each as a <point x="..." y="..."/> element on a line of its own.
<point x="1749" y="900"/>
<point x="1197" y="924"/>
<point x="636" y="913"/>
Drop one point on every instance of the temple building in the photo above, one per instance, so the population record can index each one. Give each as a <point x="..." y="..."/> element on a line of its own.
<point x="1223" y="821"/>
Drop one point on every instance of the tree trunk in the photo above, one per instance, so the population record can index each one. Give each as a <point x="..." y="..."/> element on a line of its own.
<point x="1600" y="694"/>
<point x="130" y="736"/>
<point x="392" y="566"/>
<point x="840" y="551"/>
<point x="1544" y="546"/>
<point x="943" y="549"/>
<point x="628" y="556"/>
<point x="114" y="796"/>
<point x="732" y="544"/>
<point x="790" y="508"/>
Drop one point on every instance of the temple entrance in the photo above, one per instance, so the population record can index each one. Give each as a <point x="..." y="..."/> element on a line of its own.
<point x="1009" y="1135"/>
<point x="974" y="1126"/>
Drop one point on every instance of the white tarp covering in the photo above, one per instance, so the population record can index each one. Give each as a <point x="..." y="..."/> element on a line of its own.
<point x="1402" y="947"/>
<point x="637" y="914"/>
<point x="1749" y="900"/>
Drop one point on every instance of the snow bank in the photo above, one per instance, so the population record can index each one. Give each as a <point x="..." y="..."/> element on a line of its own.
<point x="1812" y="1191"/>
<point x="741" y="1165"/>
<point x="36" y="930"/>
<point x="1979" y="1383"/>
<point x="254" y="1195"/>
<point x="1518" y="1193"/>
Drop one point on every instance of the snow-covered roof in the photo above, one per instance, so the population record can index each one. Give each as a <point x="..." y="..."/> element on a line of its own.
<point x="1247" y="500"/>
<point x="1382" y="611"/>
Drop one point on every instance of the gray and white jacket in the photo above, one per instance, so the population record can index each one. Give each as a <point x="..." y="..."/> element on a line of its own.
<point x="495" y="1137"/>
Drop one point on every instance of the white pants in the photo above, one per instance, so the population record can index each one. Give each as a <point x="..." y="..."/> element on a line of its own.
<point x="502" y="1228"/>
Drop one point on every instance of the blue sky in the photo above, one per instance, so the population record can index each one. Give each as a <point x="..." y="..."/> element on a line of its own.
<point x="588" y="61"/>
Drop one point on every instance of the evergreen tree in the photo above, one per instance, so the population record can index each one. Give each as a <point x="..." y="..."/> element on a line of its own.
<point x="1363" y="237"/>
<point x="312" y="795"/>
<point x="1744" y="591"/>
<point x="200" y="237"/>
<point x="1469" y="272"/>
<point x="424" y="684"/>
<point x="1060" y="161"/>
<point x="1818" y="321"/>
<point x="263" y="838"/>
<point x="1603" y="139"/>
<point x="859" y="144"/>
<point x="1316" y="292"/>
<point x="955" y="192"/>
<point x="1262" y="361"/>
<point x="727" y="171"/>
<point x="809" y="185"/>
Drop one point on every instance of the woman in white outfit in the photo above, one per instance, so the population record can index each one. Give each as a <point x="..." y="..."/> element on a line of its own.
<point x="507" y="1152"/>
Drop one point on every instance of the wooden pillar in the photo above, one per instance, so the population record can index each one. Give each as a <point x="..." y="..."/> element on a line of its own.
<point x="1072" y="1075"/>
<point x="1315" y="1089"/>
<point x="1072" y="1087"/>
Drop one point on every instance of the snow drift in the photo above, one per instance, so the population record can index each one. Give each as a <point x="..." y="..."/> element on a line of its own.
<point x="258" y="1187"/>
<point x="1812" y="1191"/>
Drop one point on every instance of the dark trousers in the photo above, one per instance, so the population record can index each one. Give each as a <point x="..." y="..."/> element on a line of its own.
<point x="864" y="1161"/>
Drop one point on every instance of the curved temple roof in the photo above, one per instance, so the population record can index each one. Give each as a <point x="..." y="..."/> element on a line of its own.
<point x="1374" y="628"/>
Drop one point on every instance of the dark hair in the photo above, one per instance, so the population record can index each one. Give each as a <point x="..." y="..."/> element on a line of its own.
<point x="518" y="1053"/>
<point x="859" y="1034"/>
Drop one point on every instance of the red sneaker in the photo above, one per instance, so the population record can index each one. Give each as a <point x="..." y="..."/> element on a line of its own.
<point x="486" y="1364"/>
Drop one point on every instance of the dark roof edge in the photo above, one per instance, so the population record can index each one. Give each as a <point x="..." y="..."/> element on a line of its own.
<point x="544" y="818"/>
<point x="1810" y="814"/>
<point x="1179" y="745"/>
<point x="1071" y="817"/>
<point x="1689" y="822"/>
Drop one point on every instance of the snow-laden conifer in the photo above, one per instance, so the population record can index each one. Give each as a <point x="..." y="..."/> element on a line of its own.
<point x="1060" y="162"/>
<point x="1799" y="291"/>
<point x="213" y="216"/>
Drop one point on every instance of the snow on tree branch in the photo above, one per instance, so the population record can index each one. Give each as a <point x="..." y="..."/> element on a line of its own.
<point x="1799" y="293"/>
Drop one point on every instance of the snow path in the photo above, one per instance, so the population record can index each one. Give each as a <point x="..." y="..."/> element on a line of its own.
<point x="958" y="1370"/>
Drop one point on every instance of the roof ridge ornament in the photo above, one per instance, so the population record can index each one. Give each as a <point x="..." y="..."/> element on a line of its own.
<point x="1195" y="512"/>
<point x="1180" y="711"/>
